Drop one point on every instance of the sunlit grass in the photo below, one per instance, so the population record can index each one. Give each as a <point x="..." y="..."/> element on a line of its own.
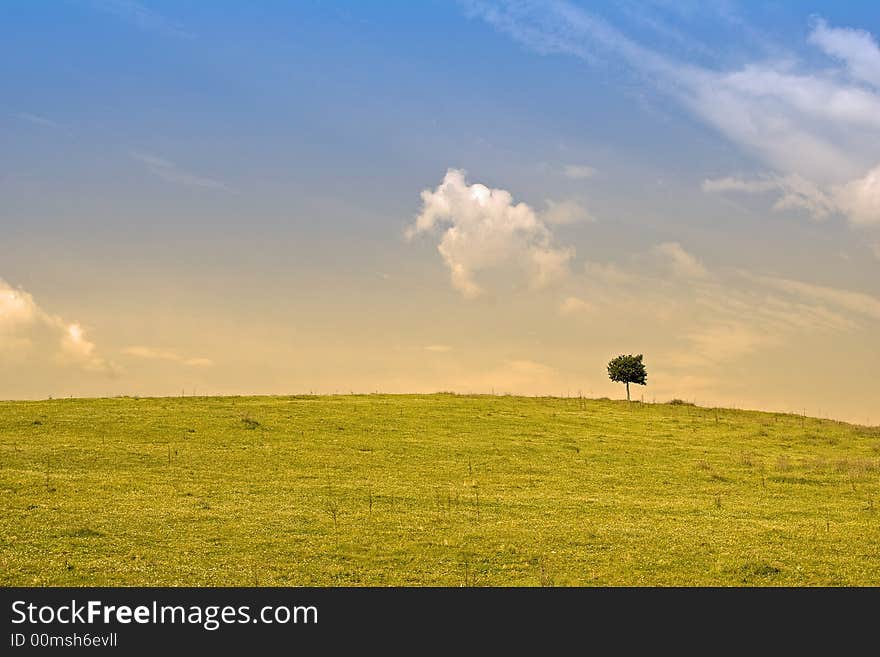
<point x="431" y="490"/>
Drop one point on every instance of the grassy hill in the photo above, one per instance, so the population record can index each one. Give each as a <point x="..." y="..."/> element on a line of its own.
<point x="431" y="490"/>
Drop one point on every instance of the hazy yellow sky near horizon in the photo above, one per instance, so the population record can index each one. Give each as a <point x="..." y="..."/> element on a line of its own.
<point x="208" y="200"/>
<point x="716" y="336"/>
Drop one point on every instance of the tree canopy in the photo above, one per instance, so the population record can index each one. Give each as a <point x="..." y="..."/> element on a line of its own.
<point x="628" y="369"/>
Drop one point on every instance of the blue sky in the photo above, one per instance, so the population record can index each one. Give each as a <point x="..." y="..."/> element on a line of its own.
<point x="254" y="167"/>
<point x="281" y="97"/>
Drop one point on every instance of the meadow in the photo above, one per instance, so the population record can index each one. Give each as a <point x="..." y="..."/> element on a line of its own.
<point x="432" y="490"/>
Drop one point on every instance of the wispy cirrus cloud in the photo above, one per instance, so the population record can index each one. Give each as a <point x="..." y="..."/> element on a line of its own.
<point x="153" y="353"/>
<point x="608" y="273"/>
<point x="716" y="315"/>
<point x="858" y="303"/>
<point x="792" y="191"/>
<point x="858" y="199"/>
<point x="857" y="49"/>
<point x="578" y="171"/>
<point x="170" y="172"/>
<point x="36" y="119"/>
<point x="560" y="213"/>
<point x="721" y="342"/>
<point x="142" y="17"/>
<point x="572" y="305"/>
<point x="681" y="262"/>
<point x="818" y="129"/>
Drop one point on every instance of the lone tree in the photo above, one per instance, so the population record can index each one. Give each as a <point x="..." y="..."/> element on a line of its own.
<point x="628" y="369"/>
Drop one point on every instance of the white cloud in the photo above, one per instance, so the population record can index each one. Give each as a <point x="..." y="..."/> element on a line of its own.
<point x="860" y="199"/>
<point x="855" y="302"/>
<point x="715" y="316"/>
<point x="573" y="305"/>
<point x="151" y="353"/>
<point x="484" y="229"/>
<point x="607" y="273"/>
<point x="547" y="265"/>
<point x="170" y="172"/>
<point x="565" y="212"/>
<point x="811" y="125"/>
<point x="723" y="342"/>
<point x="578" y="171"/>
<point x="142" y="17"/>
<point x="76" y="347"/>
<point x="37" y="120"/>
<point x="799" y="193"/>
<point x="17" y="308"/>
<point x="816" y="128"/>
<point x="794" y="192"/>
<point x="682" y="262"/>
<point x="731" y="184"/>
<point x="855" y="48"/>
<point x="77" y="350"/>
<point x="438" y="348"/>
<point x="27" y="331"/>
<point x="198" y="362"/>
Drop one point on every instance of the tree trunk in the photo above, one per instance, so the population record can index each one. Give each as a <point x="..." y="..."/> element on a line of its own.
<point x="627" y="391"/>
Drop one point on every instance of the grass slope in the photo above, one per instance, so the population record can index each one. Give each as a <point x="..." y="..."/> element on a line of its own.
<point x="431" y="490"/>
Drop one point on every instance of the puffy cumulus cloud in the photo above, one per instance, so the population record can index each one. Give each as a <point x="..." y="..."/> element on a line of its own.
<point x="18" y="313"/>
<point x="75" y="346"/>
<point x="682" y="262"/>
<point x="565" y="212"/>
<point x="816" y="126"/>
<point x="27" y="331"/>
<point x="484" y="229"/>
<point x="17" y="308"/>
<point x="151" y="353"/>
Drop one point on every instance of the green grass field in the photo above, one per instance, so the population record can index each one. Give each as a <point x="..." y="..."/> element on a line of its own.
<point x="432" y="490"/>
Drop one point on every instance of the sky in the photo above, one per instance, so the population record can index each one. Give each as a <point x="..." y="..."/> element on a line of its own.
<point x="488" y="197"/>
